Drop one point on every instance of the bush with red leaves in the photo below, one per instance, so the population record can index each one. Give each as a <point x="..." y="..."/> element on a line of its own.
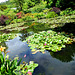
<point x="3" y="18"/>
<point x="56" y="10"/>
<point x="19" y="15"/>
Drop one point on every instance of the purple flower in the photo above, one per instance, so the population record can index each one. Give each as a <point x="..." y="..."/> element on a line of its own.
<point x="45" y="43"/>
<point x="58" y="32"/>
<point x="28" y="40"/>
<point x="48" y="32"/>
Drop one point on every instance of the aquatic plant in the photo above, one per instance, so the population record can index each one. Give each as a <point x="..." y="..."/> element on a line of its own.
<point x="12" y="67"/>
<point x="5" y="37"/>
<point x="48" y="40"/>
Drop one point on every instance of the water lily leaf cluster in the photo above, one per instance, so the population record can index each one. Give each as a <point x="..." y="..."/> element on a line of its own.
<point x="5" y="37"/>
<point x="48" y="40"/>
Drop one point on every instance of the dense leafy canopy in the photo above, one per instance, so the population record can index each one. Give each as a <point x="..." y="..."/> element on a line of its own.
<point x="63" y="4"/>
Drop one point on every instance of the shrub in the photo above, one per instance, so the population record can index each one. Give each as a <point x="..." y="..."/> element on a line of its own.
<point x="73" y="12"/>
<point x="16" y="21"/>
<point x="68" y="11"/>
<point x="3" y="7"/>
<point x="51" y="15"/>
<point x="20" y="14"/>
<point x="3" y="18"/>
<point x="39" y="15"/>
<point x="27" y="11"/>
<point x="7" y="10"/>
<point x="56" y="10"/>
<point x="26" y="18"/>
<point x="1" y="13"/>
<point x="47" y="10"/>
<point x="7" y="22"/>
<point x="11" y="14"/>
<point x="39" y="8"/>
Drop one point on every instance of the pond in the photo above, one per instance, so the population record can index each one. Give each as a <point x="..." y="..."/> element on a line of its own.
<point x="50" y="63"/>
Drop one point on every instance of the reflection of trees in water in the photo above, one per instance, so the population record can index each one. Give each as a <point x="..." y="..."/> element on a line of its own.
<point x="39" y="70"/>
<point x="66" y="55"/>
<point x="68" y="27"/>
<point x="24" y="35"/>
<point x="33" y="29"/>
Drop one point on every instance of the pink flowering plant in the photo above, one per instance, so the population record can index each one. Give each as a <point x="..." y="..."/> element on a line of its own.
<point x="48" y="40"/>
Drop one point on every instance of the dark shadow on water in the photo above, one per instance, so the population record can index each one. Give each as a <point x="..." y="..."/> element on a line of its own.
<point x="68" y="28"/>
<point x="39" y="71"/>
<point x="66" y="55"/>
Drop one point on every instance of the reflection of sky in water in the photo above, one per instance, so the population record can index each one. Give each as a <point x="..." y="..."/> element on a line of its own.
<point x="47" y="64"/>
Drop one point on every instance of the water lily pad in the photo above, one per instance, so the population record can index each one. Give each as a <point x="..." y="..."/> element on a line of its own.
<point x="48" y="40"/>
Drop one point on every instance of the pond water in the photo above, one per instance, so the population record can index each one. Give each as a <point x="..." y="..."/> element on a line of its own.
<point x="60" y="63"/>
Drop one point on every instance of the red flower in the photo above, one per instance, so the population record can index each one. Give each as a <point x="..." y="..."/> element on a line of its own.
<point x="19" y="13"/>
<point x="19" y="16"/>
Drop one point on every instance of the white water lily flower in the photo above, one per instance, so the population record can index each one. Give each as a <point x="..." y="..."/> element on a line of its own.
<point x="59" y="40"/>
<point x="50" y="42"/>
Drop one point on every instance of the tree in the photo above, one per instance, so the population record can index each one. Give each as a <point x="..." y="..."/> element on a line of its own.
<point x="18" y="3"/>
<point x="63" y="4"/>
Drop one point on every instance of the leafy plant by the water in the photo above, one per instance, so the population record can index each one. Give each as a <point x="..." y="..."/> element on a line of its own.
<point x="12" y="67"/>
<point x="48" y="40"/>
<point x="5" y="37"/>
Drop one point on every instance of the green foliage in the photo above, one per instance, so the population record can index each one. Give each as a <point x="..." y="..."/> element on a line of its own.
<point x="68" y="11"/>
<point x="38" y="8"/>
<point x="7" y="10"/>
<point x="48" y="40"/>
<point x="27" y="18"/>
<point x="6" y="66"/>
<point x="27" y="11"/>
<point x="49" y="3"/>
<point x="19" y="4"/>
<point x="12" y="67"/>
<point x="63" y="4"/>
<point x="1" y="13"/>
<point x="51" y="15"/>
<point x="11" y="14"/>
<point x="16" y="21"/>
<point x="73" y="12"/>
<point x="7" y="22"/>
<point x="5" y="37"/>
<point x="46" y="10"/>
<point x="3" y="7"/>
<point x="39" y="15"/>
